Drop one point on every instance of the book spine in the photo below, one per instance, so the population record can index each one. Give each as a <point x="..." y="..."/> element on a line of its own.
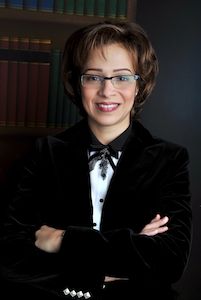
<point x="60" y="95"/>
<point x="12" y="93"/>
<point x="23" y="43"/>
<point x="34" y="44"/>
<point x="100" y="8"/>
<point x="4" y="42"/>
<point x="32" y="93"/>
<point x="22" y="93"/>
<point x="69" y="7"/>
<point x="31" y="5"/>
<point x="3" y="91"/>
<point x="89" y="7"/>
<point x="45" y="45"/>
<point x="17" y="4"/>
<point x="53" y="91"/>
<point x="59" y="6"/>
<point x="2" y="3"/>
<point x="121" y="9"/>
<point x="79" y="7"/>
<point x="46" y="5"/>
<point x="66" y="111"/>
<point x="111" y="8"/>
<point x="43" y="91"/>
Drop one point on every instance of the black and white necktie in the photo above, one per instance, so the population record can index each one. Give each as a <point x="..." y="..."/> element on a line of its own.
<point x="104" y="154"/>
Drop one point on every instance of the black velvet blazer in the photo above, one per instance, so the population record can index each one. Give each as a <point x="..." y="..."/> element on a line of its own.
<point x="151" y="177"/>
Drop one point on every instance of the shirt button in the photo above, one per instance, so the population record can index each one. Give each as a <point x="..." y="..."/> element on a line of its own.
<point x="101" y="200"/>
<point x="94" y="224"/>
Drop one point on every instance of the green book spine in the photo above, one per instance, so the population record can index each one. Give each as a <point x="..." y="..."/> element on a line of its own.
<point x="54" y="79"/>
<point x="69" y="7"/>
<point x="3" y="91"/>
<point x="59" y="6"/>
<point x="60" y="94"/>
<point x="66" y="111"/>
<point x="122" y="9"/>
<point x="79" y="7"/>
<point x="100" y="8"/>
<point x="89" y="7"/>
<point x="2" y="3"/>
<point x="111" y="8"/>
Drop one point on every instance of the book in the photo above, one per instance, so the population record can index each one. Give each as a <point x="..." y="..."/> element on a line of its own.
<point x="59" y="6"/>
<point x="46" y="5"/>
<point x="22" y="84"/>
<point x="111" y="8"/>
<point x="22" y="93"/>
<point x="32" y="94"/>
<point x="2" y="3"/>
<point x="4" y="42"/>
<point x="121" y="9"/>
<point x="60" y="97"/>
<point x="3" y="91"/>
<point x="17" y="4"/>
<point x="66" y="111"/>
<point x="89" y="7"/>
<point x="14" y="42"/>
<point x="53" y="90"/>
<point x="79" y="7"/>
<point x="12" y="93"/>
<point x="69" y="7"/>
<point x="43" y="92"/>
<point x="31" y="5"/>
<point x="100" y="8"/>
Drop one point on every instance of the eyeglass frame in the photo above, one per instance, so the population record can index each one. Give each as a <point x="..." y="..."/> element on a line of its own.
<point x="103" y="78"/>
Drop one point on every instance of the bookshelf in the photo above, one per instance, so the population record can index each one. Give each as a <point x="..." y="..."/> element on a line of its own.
<point x="55" y="26"/>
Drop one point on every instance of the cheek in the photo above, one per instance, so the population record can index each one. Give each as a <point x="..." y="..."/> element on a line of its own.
<point x="129" y="96"/>
<point x="87" y="97"/>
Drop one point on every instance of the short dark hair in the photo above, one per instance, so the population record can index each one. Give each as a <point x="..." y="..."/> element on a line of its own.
<point x="129" y="35"/>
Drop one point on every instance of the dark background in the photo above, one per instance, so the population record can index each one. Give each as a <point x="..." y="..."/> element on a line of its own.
<point x="174" y="109"/>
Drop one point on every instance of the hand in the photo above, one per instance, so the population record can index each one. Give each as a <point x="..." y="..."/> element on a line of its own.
<point x="157" y="225"/>
<point x="49" y="239"/>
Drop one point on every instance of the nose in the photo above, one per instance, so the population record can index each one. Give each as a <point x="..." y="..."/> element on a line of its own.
<point x="107" y="89"/>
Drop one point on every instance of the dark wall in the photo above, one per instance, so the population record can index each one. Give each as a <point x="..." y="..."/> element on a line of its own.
<point x="174" y="109"/>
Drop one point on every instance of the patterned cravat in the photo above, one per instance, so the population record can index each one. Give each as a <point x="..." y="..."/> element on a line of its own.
<point x="104" y="154"/>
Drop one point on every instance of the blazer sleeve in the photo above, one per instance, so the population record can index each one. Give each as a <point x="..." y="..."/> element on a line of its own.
<point x="22" y="262"/>
<point x="163" y="257"/>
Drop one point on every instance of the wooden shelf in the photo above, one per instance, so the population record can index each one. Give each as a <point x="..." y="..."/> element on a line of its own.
<point x="46" y="17"/>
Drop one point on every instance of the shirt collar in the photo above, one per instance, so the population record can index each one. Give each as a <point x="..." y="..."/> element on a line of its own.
<point x="117" y="144"/>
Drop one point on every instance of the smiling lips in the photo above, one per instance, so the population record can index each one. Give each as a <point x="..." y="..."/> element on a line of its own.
<point x="107" y="107"/>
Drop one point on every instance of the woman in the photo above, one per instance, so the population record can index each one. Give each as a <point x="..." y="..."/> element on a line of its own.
<point x="103" y="209"/>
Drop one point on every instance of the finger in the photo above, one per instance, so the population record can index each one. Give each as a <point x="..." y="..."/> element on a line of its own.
<point x="158" y="223"/>
<point x="156" y="218"/>
<point x="156" y="231"/>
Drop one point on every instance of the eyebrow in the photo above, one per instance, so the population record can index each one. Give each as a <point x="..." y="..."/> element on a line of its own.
<point x="100" y="70"/>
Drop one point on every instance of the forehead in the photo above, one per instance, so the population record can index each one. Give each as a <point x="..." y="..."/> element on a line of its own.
<point x="115" y="54"/>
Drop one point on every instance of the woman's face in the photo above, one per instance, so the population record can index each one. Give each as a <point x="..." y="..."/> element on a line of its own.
<point x="106" y="105"/>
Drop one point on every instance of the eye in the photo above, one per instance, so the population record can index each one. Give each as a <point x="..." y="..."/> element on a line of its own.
<point x="93" y="78"/>
<point x="122" y="78"/>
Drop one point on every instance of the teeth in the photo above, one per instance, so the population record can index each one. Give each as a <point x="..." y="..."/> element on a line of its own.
<point x="108" y="105"/>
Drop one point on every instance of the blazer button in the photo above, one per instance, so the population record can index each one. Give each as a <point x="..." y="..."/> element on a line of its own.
<point x="87" y="295"/>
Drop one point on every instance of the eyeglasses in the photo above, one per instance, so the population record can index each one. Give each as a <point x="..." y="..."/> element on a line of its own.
<point x="97" y="81"/>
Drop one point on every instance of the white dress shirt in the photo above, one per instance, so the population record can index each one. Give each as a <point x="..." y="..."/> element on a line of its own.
<point x="99" y="187"/>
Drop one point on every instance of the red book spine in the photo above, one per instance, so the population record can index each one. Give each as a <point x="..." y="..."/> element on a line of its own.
<point x="43" y="92"/>
<point x="32" y="93"/>
<point x="22" y="85"/>
<point x="3" y="91"/>
<point x="12" y="93"/>
<point x="4" y="42"/>
<point x="22" y="93"/>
